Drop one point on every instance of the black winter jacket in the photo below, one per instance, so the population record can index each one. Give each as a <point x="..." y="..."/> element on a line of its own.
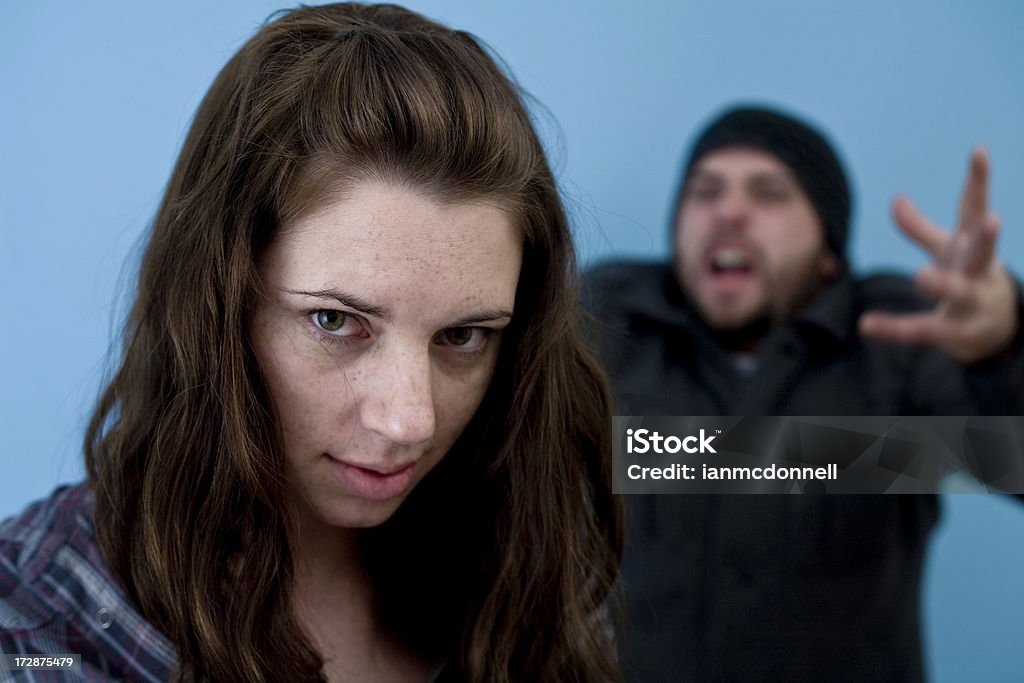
<point x="764" y="587"/>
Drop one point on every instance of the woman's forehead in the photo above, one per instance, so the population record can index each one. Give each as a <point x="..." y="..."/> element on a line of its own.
<point x="390" y="220"/>
<point x="389" y="243"/>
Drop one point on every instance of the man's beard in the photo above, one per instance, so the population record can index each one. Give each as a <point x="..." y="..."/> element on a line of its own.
<point x="800" y="290"/>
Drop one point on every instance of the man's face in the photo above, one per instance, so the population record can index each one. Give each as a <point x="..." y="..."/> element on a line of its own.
<point x="748" y="242"/>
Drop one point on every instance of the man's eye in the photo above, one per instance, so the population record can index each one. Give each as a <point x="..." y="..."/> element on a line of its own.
<point x="702" y="193"/>
<point x="771" y="194"/>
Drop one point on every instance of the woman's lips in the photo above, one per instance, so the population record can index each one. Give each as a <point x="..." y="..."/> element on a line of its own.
<point x="375" y="482"/>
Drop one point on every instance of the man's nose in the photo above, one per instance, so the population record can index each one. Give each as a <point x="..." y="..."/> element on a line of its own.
<point x="732" y="209"/>
<point x="398" y="403"/>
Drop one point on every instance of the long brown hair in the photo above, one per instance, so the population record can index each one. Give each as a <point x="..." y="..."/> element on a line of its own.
<point x="503" y="558"/>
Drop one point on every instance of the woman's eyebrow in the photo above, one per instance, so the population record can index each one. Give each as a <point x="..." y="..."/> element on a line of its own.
<point x="347" y="300"/>
<point x="488" y="316"/>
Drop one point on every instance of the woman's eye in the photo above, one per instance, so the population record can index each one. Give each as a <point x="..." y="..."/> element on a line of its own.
<point x="458" y="336"/>
<point x="337" y="324"/>
<point x="464" y="338"/>
<point x="331" y="321"/>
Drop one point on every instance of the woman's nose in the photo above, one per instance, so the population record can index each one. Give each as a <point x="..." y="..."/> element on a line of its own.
<point x="398" y="403"/>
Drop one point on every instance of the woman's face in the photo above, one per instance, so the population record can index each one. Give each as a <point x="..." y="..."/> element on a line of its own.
<point x="379" y="340"/>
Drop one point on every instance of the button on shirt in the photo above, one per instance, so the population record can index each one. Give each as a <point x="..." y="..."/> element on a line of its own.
<point x="59" y="597"/>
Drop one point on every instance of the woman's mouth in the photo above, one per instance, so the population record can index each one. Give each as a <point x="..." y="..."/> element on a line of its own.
<point x="375" y="481"/>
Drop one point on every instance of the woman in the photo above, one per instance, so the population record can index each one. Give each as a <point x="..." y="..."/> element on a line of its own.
<point x="354" y="434"/>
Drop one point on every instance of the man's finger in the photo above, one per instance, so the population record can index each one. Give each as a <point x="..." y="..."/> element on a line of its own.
<point x="948" y="286"/>
<point x="918" y="228"/>
<point x="982" y="246"/>
<point x="974" y="202"/>
<point x="914" y="328"/>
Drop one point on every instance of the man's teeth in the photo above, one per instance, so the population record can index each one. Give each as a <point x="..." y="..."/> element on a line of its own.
<point x="729" y="258"/>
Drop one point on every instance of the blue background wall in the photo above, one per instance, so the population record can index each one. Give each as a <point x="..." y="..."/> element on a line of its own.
<point x="95" y="99"/>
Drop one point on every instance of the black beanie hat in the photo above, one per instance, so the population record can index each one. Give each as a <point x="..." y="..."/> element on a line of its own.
<point x="796" y="144"/>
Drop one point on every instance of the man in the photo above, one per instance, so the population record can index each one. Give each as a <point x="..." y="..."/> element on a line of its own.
<point x="758" y="315"/>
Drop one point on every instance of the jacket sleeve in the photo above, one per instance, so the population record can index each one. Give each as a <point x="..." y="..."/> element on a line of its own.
<point x="996" y="385"/>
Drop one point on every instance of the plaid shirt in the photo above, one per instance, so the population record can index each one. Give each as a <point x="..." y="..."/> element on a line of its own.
<point x="58" y="596"/>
